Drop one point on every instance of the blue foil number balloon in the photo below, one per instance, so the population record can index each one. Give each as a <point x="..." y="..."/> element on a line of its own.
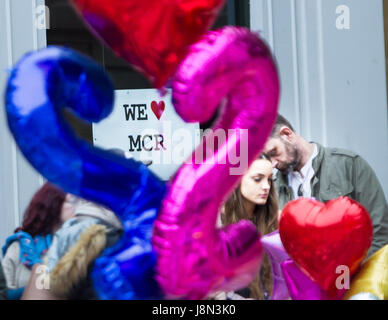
<point x="39" y="87"/>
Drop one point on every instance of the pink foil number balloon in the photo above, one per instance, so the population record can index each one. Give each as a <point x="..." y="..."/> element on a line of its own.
<point x="233" y="68"/>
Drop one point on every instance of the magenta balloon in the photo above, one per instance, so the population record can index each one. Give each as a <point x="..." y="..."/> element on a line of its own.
<point x="234" y="68"/>
<point x="301" y="287"/>
<point x="273" y="246"/>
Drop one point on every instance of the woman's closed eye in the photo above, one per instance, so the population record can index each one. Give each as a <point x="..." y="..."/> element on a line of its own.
<point x="258" y="178"/>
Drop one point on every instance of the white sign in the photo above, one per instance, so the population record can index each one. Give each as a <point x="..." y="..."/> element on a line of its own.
<point x="147" y="126"/>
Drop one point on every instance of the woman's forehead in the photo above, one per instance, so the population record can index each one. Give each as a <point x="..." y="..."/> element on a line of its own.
<point x="262" y="166"/>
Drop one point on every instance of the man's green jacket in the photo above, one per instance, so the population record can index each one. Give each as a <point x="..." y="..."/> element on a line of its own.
<point x="340" y="172"/>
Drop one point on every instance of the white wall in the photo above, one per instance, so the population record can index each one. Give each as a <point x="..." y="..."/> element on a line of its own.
<point x="333" y="80"/>
<point x="18" y="181"/>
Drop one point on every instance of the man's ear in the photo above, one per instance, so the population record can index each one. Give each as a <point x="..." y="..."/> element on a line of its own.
<point x="286" y="133"/>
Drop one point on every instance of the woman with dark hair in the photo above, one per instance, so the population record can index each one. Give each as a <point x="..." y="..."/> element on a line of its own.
<point x="45" y="214"/>
<point x="255" y="200"/>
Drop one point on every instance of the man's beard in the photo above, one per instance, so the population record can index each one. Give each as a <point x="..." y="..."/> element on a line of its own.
<point x="293" y="154"/>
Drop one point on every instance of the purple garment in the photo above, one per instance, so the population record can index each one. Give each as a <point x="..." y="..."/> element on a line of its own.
<point x="273" y="246"/>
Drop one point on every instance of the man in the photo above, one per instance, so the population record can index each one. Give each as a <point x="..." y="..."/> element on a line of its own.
<point x="311" y="170"/>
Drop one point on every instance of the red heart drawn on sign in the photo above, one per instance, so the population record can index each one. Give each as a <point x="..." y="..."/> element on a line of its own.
<point x="322" y="237"/>
<point x="158" y="108"/>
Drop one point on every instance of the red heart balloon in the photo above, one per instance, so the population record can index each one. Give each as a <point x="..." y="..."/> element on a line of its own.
<point x="152" y="35"/>
<point x="321" y="237"/>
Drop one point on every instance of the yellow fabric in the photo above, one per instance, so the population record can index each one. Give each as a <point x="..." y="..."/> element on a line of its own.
<point x="373" y="276"/>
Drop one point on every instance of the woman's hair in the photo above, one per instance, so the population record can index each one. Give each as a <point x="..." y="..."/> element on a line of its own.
<point x="43" y="213"/>
<point x="265" y="218"/>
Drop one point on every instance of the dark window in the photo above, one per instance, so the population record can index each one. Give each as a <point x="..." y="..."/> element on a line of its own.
<point x="68" y="29"/>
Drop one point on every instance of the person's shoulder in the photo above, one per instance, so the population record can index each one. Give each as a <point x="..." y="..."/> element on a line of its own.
<point x="13" y="250"/>
<point x="339" y="152"/>
<point x="343" y="157"/>
<point x="15" y="245"/>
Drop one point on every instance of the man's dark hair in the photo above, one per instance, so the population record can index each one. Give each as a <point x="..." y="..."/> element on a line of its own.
<point x="280" y="122"/>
